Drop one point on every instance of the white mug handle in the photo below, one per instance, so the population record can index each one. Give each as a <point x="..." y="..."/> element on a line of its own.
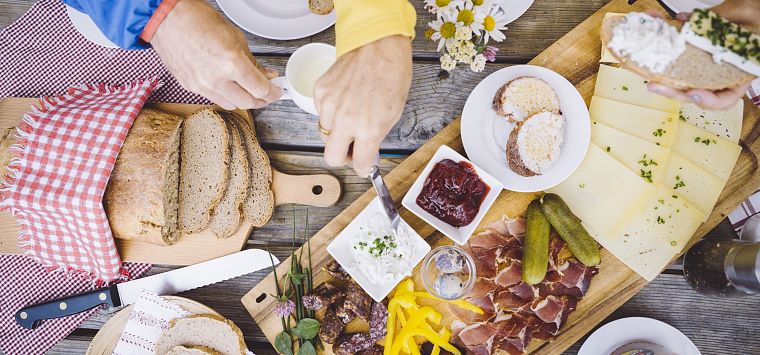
<point x="282" y="82"/>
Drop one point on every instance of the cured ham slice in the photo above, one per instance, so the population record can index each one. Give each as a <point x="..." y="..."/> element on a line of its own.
<point x="515" y="226"/>
<point x="524" y="291"/>
<point x="504" y="299"/>
<point x="485" y="261"/>
<point x="490" y="239"/>
<point x="510" y="275"/>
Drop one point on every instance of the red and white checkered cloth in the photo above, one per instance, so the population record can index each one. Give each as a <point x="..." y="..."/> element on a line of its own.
<point x="64" y="153"/>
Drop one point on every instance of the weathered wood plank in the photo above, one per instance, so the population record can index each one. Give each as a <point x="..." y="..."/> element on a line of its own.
<point x="540" y="26"/>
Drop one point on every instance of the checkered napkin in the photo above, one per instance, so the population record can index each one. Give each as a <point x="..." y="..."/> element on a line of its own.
<point x="63" y="156"/>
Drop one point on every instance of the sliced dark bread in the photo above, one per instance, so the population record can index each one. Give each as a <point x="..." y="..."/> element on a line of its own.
<point x="204" y="168"/>
<point x="693" y="69"/>
<point x="259" y="202"/>
<point x="206" y="330"/>
<point x="321" y="7"/>
<point x="226" y="218"/>
<point x="535" y="144"/>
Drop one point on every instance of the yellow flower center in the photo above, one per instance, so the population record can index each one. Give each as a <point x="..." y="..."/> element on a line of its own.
<point x="429" y="33"/>
<point x="442" y="3"/>
<point x="466" y="16"/>
<point x="477" y="2"/>
<point x="448" y="29"/>
<point x="489" y="23"/>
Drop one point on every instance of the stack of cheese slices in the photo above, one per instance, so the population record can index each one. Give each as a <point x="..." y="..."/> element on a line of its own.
<point x="653" y="172"/>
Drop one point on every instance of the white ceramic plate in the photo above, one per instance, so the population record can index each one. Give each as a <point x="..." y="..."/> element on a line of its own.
<point x="689" y="5"/>
<point x="627" y="330"/>
<point x="340" y="249"/>
<point x="276" y="19"/>
<point x="514" y="8"/>
<point x="89" y="30"/>
<point x="461" y="234"/>
<point x="485" y="133"/>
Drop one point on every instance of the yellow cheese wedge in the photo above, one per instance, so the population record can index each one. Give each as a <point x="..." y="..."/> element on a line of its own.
<point x="646" y="159"/>
<point x="725" y="124"/>
<point x="603" y="192"/>
<point x="657" y="232"/>
<point x="625" y="86"/>
<point x="712" y="153"/>
<point x="654" y="126"/>
<point x="607" y="56"/>
<point x="693" y="183"/>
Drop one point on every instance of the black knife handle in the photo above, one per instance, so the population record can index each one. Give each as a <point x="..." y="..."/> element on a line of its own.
<point x="30" y="317"/>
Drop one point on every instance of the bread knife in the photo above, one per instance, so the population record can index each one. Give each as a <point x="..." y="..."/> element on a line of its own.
<point x="167" y="283"/>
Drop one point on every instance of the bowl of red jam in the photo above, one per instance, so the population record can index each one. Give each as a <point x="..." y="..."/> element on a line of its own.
<point x="452" y="194"/>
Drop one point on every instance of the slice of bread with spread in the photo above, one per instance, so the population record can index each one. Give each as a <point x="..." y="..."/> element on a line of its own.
<point x="206" y="330"/>
<point x="655" y="49"/>
<point x="226" y="218"/>
<point x="535" y="144"/>
<point x="141" y="197"/>
<point x="321" y="7"/>
<point x="204" y="172"/>
<point x="525" y="96"/>
<point x="192" y="350"/>
<point x="259" y="202"/>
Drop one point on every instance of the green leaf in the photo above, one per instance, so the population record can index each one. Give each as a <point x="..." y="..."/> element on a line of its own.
<point x="307" y="348"/>
<point x="306" y="328"/>
<point x="284" y="344"/>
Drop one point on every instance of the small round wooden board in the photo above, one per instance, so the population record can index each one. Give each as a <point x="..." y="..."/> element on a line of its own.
<point x="108" y="336"/>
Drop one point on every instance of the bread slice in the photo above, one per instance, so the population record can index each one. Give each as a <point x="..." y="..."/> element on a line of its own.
<point x="535" y="144"/>
<point x="226" y="218"/>
<point x="6" y="141"/>
<point x="525" y="96"/>
<point x="204" y="172"/>
<point x="321" y="7"/>
<point x="259" y="202"/>
<point x="693" y="69"/>
<point x="192" y="350"/>
<point x="207" y="330"/>
<point x="141" y="197"/>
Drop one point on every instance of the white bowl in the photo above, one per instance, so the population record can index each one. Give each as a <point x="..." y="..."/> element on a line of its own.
<point x="485" y="133"/>
<point x="340" y="249"/>
<point x="624" y="331"/>
<point x="457" y="234"/>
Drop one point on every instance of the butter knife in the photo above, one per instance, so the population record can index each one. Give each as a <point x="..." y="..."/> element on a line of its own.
<point x="389" y="207"/>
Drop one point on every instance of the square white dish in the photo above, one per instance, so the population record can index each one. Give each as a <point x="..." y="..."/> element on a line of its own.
<point x="340" y="249"/>
<point x="458" y="234"/>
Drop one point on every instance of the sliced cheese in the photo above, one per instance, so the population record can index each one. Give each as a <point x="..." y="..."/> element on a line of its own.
<point x="725" y="124"/>
<point x="712" y="153"/>
<point x="655" y="235"/>
<point x="654" y="126"/>
<point x="625" y="86"/>
<point x="607" y="56"/>
<point x="646" y="159"/>
<point x="693" y="183"/>
<point x="604" y="193"/>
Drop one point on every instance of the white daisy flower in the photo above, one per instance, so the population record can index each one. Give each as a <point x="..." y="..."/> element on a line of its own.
<point x="493" y="25"/>
<point x="471" y="15"/>
<point x="444" y="30"/>
<point x="478" y="63"/>
<point x="437" y="6"/>
<point x="447" y="63"/>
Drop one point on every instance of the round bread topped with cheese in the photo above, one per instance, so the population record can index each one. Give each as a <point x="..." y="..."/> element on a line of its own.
<point x="523" y="97"/>
<point x="535" y="144"/>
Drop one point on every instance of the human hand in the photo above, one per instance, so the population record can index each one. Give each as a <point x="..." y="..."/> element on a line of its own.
<point x="360" y="98"/>
<point x="210" y="57"/>
<point x="743" y="12"/>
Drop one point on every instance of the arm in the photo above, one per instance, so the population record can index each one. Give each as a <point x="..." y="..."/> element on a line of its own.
<point x="363" y="95"/>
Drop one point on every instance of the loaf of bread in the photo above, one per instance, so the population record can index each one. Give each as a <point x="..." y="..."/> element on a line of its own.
<point x="6" y="141"/>
<point x="206" y="330"/>
<point x="204" y="172"/>
<point x="192" y="350"/>
<point x="141" y="197"/>
<point x="227" y="216"/>
<point x="259" y="202"/>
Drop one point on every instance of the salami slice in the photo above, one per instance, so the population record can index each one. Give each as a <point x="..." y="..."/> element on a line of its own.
<point x="377" y="321"/>
<point x="322" y="296"/>
<point x="331" y="327"/>
<point x="358" y="301"/>
<point x="352" y="343"/>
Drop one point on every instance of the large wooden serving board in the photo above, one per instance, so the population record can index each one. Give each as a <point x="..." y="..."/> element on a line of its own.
<point x="193" y="248"/>
<point x="576" y="57"/>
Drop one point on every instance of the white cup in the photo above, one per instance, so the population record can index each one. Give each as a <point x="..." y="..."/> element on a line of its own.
<point x="305" y="66"/>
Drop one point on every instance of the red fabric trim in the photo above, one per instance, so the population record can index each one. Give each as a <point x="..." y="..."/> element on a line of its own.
<point x="156" y="19"/>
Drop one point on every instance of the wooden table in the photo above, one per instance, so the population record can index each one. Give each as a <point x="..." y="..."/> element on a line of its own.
<point x="291" y="138"/>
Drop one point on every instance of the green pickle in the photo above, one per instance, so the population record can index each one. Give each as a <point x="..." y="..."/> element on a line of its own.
<point x="569" y="227"/>
<point x="536" y="247"/>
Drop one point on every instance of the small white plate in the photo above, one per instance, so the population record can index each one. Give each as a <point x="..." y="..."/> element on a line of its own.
<point x="461" y="234"/>
<point x="514" y="8"/>
<point x="340" y="249"/>
<point x="280" y="19"/>
<point x="485" y="133"/>
<point x="627" y="330"/>
<point x="689" y="5"/>
<point x="89" y="30"/>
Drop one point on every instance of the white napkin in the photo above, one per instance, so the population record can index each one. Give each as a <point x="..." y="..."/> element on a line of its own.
<point x="149" y="318"/>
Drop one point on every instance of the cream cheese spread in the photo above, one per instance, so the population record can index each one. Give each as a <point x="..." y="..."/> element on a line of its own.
<point x="648" y="41"/>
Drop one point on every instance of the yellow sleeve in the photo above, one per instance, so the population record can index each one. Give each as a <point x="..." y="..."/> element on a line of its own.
<point x="363" y="21"/>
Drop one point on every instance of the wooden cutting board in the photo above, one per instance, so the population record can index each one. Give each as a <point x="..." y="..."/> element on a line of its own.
<point x="575" y="56"/>
<point x="193" y="248"/>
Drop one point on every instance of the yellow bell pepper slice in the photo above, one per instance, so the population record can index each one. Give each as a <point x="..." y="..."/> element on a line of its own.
<point x="459" y="303"/>
<point x="413" y="324"/>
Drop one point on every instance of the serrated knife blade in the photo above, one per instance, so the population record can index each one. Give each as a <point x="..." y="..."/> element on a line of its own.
<point x="167" y="283"/>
